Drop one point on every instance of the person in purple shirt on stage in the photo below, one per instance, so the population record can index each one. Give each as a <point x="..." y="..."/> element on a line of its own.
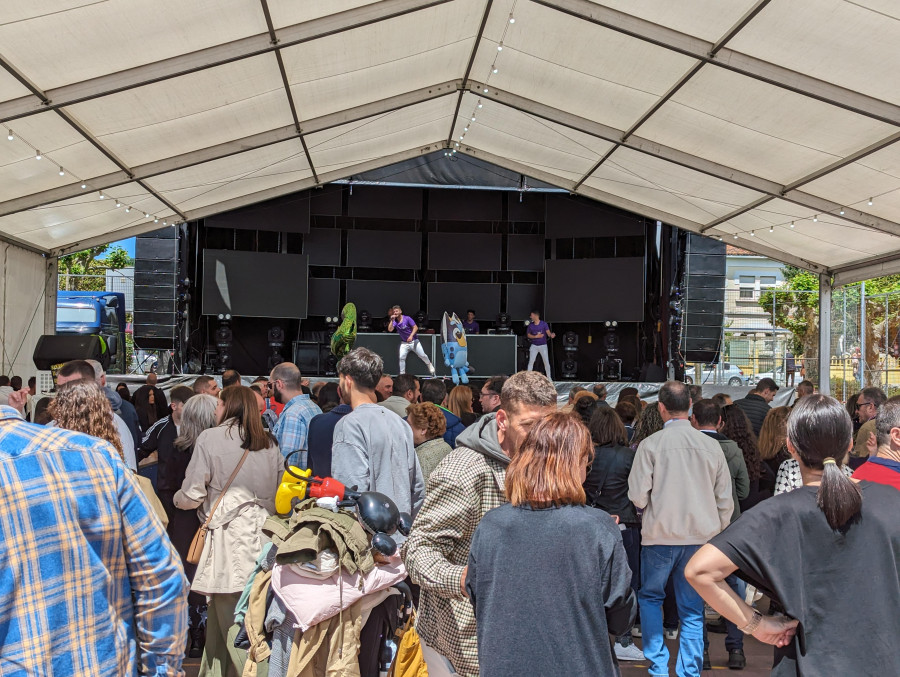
<point x="407" y="329"/>
<point x="470" y="325"/>
<point x="538" y="332"/>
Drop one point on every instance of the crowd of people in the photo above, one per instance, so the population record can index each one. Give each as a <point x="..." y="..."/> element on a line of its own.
<point x="545" y="538"/>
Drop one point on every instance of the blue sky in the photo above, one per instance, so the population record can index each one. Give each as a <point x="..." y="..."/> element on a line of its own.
<point x="127" y="245"/>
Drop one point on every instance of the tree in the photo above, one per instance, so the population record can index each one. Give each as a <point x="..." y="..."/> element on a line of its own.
<point x="797" y="310"/>
<point x="85" y="271"/>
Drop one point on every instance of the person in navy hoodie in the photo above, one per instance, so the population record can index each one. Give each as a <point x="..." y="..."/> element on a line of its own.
<point x="434" y="390"/>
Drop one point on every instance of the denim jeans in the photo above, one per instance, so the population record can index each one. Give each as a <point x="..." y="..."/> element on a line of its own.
<point x="658" y="562"/>
<point x="734" y="638"/>
<point x="631" y="540"/>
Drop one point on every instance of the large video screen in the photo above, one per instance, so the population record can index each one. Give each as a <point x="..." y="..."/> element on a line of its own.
<point x="464" y="251"/>
<point x="254" y="284"/>
<point x="459" y="297"/>
<point x="384" y="249"/>
<point x="377" y="296"/>
<point x="594" y="290"/>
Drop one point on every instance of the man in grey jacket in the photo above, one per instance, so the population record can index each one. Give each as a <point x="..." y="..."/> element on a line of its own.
<point x="681" y="481"/>
<point x="373" y="447"/>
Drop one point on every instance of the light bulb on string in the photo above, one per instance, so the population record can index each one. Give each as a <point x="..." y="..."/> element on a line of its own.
<point x="155" y="220"/>
<point x="870" y="202"/>
<point x="494" y="70"/>
<point x="83" y="185"/>
<point x="102" y="196"/>
<point x="771" y="229"/>
<point x="500" y="47"/>
<point x="752" y="234"/>
<point x="816" y="218"/>
<point x="485" y="91"/>
<point x="38" y="156"/>
<point x="146" y="215"/>
<point x="9" y="135"/>
<point x="465" y="129"/>
<point x="735" y="236"/>
<point x="127" y="209"/>
<point x="479" y="103"/>
<point x="512" y="19"/>
<point x="118" y="204"/>
<point x="62" y="172"/>
<point x="473" y="118"/>
<point x="792" y="224"/>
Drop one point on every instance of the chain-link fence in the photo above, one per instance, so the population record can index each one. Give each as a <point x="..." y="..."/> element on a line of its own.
<point x="774" y="333"/>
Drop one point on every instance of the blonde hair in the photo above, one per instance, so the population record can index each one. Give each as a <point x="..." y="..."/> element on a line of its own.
<point x="459" y="401"/>
<point x="82" y="406"/>
<point x="773" y="434"/>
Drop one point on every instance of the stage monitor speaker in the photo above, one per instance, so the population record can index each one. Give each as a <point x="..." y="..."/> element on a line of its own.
<point x="155" y="279"/>
<point x="704" y="305"/>
<point x="53" y="349"/>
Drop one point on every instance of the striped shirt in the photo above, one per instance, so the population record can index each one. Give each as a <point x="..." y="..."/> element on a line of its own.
<point x="89" y="581"/>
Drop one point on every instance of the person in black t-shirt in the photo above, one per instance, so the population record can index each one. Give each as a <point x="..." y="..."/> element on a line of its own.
<point x="797" y="548"/>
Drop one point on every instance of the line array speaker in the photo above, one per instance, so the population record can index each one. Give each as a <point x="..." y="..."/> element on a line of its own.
<point x="155" y="279"/>
<point x="704" y="308"/>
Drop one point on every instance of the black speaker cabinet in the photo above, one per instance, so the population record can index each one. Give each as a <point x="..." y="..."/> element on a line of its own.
<point x="54" y="349"/>
<point x="704" y="305"/>
<point x="155" y="280"/>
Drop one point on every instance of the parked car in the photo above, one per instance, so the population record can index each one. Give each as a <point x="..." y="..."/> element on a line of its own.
<point x="719" y="374"/>
<point x="776" y="375"/>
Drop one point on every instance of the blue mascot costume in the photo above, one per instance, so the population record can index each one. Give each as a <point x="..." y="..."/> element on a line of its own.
<point x="454" y="348"/>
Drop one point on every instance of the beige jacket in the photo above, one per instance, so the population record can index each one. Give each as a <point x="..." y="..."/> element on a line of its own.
<point x="681" y="480"/>
<point x="235" y="538"/>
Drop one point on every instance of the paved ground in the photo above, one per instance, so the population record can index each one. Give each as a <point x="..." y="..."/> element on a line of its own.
<point x="759" y="659"/>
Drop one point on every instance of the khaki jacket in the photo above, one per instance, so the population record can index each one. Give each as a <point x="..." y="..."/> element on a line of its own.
<point x="235" y="538"/>
<point x="681" y="480"/>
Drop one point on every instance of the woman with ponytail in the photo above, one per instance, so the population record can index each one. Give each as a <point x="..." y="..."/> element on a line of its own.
<point x="798" y="548"/>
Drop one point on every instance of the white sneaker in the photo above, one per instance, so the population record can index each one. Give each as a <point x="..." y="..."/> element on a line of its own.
<point x="628" y="653"/>
<point x="636" y="631"/>
<point x="671" y="633"/>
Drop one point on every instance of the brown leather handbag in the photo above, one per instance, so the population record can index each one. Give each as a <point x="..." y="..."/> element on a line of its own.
<point x="196" y="549"/>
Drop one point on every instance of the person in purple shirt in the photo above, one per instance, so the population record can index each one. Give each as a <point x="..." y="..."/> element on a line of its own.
<point x="407" y="329"/>
<point x="538" y="332"/>
<point x="470" y="325"/>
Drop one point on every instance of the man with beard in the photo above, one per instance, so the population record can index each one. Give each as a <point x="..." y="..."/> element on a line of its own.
<point x="292" y="427"/>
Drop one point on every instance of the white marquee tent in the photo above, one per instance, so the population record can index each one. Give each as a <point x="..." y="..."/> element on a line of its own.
<point x="768" y="123"/>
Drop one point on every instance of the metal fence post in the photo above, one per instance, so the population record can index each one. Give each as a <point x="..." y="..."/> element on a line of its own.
<point x="825" y="334"/>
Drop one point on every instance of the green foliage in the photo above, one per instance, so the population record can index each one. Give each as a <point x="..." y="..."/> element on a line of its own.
<point x="85" y="271"/>
<point x="796" y="307"/>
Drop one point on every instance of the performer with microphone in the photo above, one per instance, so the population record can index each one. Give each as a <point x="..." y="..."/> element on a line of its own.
<point x="407" y="329"/>
<point x="538" y="332"/>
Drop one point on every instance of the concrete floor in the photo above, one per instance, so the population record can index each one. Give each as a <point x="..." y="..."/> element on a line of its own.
<point x="759" y="659"/>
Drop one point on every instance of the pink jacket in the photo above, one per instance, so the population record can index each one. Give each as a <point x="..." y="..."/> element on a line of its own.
<point x="313" y="600"/>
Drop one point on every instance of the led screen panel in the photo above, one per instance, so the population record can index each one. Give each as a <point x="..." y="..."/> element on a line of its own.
<point x="234" y="283"/>
<point x="594" y="290"/>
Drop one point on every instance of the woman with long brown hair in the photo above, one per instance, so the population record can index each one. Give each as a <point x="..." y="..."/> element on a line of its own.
<point x="546" y="571"/>
<point x="459" y="401"/>
<point x="773" y="447"/>
<point x="798" y="547"/>
<point x="239" y="446"/>
<point x="737" y="428"/>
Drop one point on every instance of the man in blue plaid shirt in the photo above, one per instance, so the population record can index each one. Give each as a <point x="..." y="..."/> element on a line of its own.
<point x="292" y="427"/>
<point x="89" y="582"/>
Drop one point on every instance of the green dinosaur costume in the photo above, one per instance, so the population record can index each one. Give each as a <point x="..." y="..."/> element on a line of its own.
<point x="345" y="336"/>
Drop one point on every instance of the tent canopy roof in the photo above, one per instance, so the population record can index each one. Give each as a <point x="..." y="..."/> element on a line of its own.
<point x="769" y="123"/>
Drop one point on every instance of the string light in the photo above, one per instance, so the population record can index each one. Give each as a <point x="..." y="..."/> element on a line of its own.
<point x="102" y="196"/>
<point x="83" y="185"/>
<point x="38" y="155"/>
<point x="870" y="202"/>
<point x="816" y="217"/>
<point x="9" y="135"/>
<point x="155" y="220"/>
<point x="118" y="204"/>
<point x="735" y="236"/>
<point x="146" y="215"/>
<point x="752" y="234"/>
<point x="494" y="69"/>
<point x="127" y="209"/>
<point x="512" y="19"/>
<point x="771" y="229"/>
<point x="500" y="47"/>
<point x="842" y="211"/>
<point x="792" y="224"/>
<point x="62" y="172"/>
<point x="479" y="103"/>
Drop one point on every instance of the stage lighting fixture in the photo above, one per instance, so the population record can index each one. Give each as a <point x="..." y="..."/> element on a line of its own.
<point x="569" y="369"/>
<point x="504" y="324"/>
<point x="332" y="323"/>
<point x="570" y="341"/>
<point x="276" y="343"/>
<point x="611" y="369"/>
<point x="331" y="365"/>
<point x="611" y="340"/>
<point x="224" y="341"/>
<point x="364" y="321"/>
